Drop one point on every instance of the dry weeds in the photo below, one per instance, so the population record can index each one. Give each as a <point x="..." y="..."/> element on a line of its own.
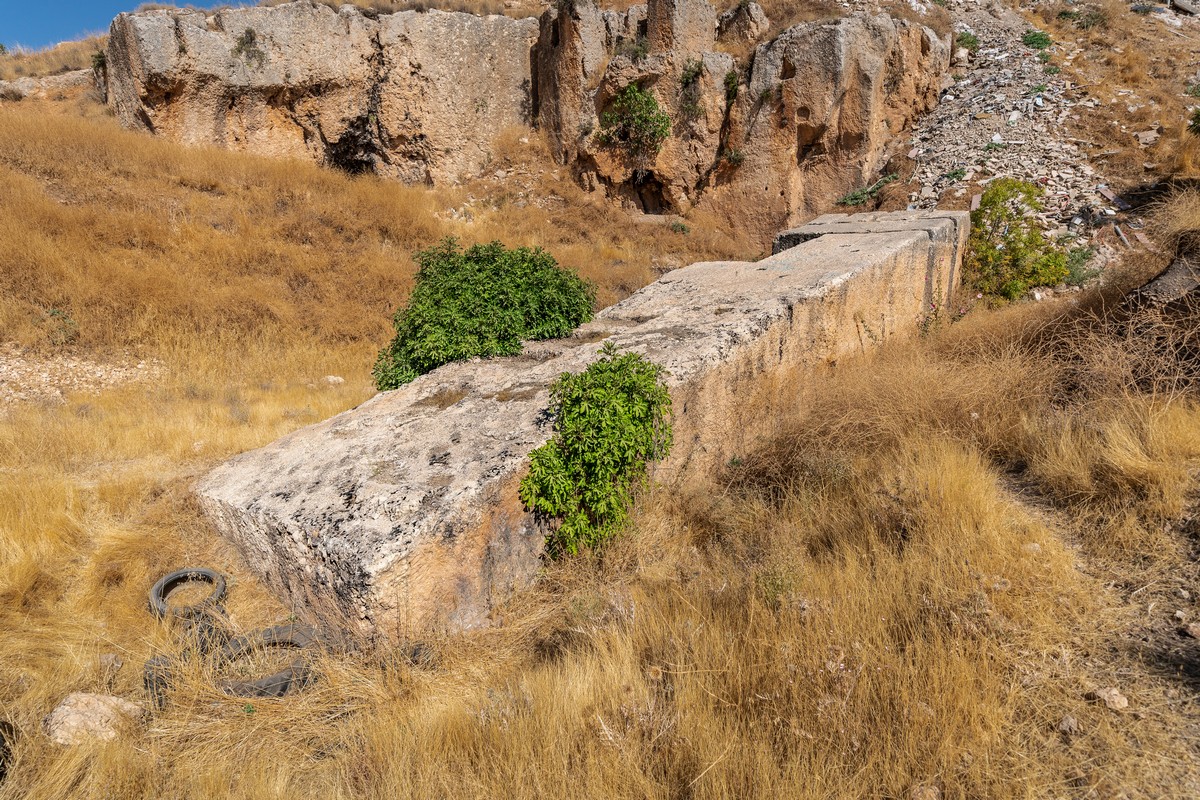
<point x="51" y="60"/>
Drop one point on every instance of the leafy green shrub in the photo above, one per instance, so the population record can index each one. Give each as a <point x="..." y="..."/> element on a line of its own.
<point x="610" y="421"/>
<point x="636" y="122"/>
<point x="1078" y="271"/>
<point x="680" y="227"/>
<point x="956" y="174"/>
<point x="968" y="41"/>
<point x="480" y="302"/>
<point x="1051" y="69"/>
<point x="1193" y="90"/>
<point x="3" y="50"/>
<point x="1007" y="253"/>
<point x="99" y="63"/>
<point x="1194" y="125"/>
<point x="734" y="156"/>
<point x="731" y="85"/>
<point x="1038" y="40"/>
<point x="862" y="195"/>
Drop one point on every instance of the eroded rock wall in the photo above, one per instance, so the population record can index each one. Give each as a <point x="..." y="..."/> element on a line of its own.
<point x="421" y="97"/>
<point x="402" y="515"/>
<point x="413" y="96"/>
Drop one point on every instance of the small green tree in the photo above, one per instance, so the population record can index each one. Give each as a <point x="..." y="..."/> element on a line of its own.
<point x="3" y="50"/>
<point x="1007" y="253"/>
<point x="610" y="421"/>
<point x="636" y="122"/>
<point x="484" y="301"/>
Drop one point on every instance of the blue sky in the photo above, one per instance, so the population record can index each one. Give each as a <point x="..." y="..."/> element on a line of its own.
<point x="38" y="23"/>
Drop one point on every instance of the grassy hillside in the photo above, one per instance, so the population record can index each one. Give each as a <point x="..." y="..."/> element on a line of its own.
<point x="915" y="584"/>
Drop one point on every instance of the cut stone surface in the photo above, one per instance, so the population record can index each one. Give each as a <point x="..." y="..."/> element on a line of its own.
<point x="402" y="515"/>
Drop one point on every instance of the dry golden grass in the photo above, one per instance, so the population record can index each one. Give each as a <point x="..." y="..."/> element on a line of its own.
<point x="51" y="60"/>
<point x="1128" y="60"/>
<point x="884" y="595"/>
<point x="127" y="234"/>
<point x="910" y="584"/>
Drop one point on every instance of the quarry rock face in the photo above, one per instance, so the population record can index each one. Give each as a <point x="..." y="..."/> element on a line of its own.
<point x="402" y="516"/>
<point x="810" y="121"/>
<point x="422" y="96"/>
<point x="414" y="96"/>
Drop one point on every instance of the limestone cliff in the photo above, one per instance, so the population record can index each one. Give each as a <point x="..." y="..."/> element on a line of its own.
<point x="413" y="96"/>
<point x="422" y="96"/>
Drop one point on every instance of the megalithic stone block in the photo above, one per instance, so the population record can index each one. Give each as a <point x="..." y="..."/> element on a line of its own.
<point x="401" y="516"/>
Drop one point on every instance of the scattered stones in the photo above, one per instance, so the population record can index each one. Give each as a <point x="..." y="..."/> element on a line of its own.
<point x="111" y="662"/>
<point x="82" y="717"/>
<point x="42" y="379"/>
<point x="1191" y="630"/>
<point x="1110" y="696"/>
<point x="334" y="380"/>
<point x="925" y="792"/>
<point x="1069" y="726"/>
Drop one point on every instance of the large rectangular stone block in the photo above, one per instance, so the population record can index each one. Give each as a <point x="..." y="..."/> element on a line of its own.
<point x="402" y="515"/>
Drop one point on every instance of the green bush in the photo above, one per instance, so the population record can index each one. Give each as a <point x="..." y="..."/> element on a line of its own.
<point x="968" y="41"/>
<point x="610" y="421"/>
<point x="1194" y="125"/>
<point x="731" y="85"/>
<point x="865" y="193"/>
<point x="483" y="301"/>
<point x="1078" y="271"/>
<point x="3" y="50"/>
<point x="1038" y="40"/>
<point x="1007" y="254"/>
<point x="636" y="122"/>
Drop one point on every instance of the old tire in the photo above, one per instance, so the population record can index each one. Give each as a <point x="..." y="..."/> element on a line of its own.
<point x="8" y="735"/>
<point x="293" y="677"/>
<point x="168" y="583"/>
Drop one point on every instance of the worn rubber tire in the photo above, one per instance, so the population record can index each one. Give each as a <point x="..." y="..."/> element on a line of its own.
<point x="8" y="735"/>
<point x="169" y="582"/>
<point x="295" y="676"/>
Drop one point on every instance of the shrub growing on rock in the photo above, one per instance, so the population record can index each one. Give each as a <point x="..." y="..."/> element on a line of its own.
<point x="1007" y="254"/>
<point x="610" y="421"/>
<point x="635" y="122"/>
<point x="483" y="301"/>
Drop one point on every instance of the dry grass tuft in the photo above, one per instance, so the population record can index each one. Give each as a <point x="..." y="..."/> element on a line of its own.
<point x="63" y="57"/>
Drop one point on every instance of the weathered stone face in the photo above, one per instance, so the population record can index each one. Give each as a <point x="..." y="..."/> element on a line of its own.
<point x="421" y="97"/>
<point x="402" y="515"/>
<point x="418" y="97"/>
<point x="811" y="122"/>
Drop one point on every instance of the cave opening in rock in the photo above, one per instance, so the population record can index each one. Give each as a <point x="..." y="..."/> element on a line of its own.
<point x="357" y="151"/>
<point x="650" y="192"/>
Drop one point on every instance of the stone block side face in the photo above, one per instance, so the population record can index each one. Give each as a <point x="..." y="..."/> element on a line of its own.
<point x="402" y="515"/>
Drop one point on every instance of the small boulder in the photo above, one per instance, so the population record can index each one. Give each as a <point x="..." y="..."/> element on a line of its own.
<point x="961" y="58"/>
<point x="1069" y="726"/>
<point x="1111" y="697"/>
<point x="83" y="716"/>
